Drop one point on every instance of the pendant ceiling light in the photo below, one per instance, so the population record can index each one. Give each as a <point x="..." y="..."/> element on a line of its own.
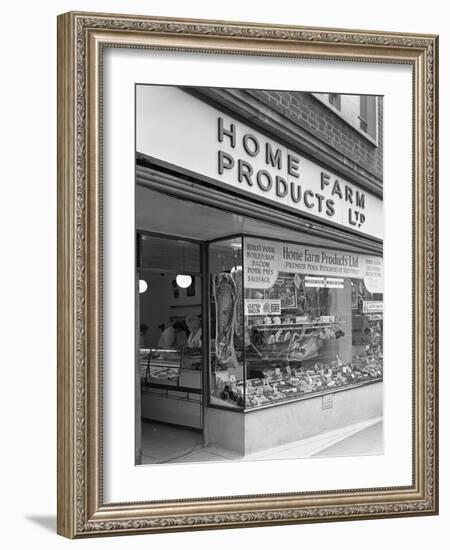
<point x="143" y="286"/>
<point x="184" y="281"/>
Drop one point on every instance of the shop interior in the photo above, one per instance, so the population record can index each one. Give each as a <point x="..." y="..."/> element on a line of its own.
<point x="192" y="294"/>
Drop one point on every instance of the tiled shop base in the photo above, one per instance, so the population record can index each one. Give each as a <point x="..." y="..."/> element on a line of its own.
<point x="163" y="443"/>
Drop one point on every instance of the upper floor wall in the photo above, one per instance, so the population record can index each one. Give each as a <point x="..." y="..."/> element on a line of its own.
<point x="350" y="124"/>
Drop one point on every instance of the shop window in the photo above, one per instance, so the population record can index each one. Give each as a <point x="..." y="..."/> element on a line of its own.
<point x="227" y="323"/>
<point x="335" y="100"/>
<point x="367" y="115"/>
<point x="290" y="321"/>
<point x="359" y="111"/>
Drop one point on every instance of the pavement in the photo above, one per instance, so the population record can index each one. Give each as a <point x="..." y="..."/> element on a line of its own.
<point x="163" y="444"/>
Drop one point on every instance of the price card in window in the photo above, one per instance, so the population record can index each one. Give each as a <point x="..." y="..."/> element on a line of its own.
<point x="372" y="306"/>
<point x="262" y="307"/>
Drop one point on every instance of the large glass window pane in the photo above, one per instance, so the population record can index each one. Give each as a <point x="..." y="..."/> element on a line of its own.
<point x="227" y="323"/>
<point x="311" y="326"/>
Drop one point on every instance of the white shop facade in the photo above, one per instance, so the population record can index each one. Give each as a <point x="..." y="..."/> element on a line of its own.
<point x="259" y="277"/>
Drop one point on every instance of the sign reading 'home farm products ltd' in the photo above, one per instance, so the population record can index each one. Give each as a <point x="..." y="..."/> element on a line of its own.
<point x="264" y="260"/>
<point x="188" y="133"/>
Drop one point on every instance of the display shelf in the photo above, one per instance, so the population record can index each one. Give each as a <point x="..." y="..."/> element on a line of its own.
<point x="278" y="384"/>
<point x="309" y="324"/>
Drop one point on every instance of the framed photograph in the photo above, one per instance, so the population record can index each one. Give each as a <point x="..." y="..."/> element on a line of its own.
<point x="247" y="284"/>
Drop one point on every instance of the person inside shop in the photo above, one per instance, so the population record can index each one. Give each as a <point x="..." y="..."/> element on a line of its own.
<point x="195" y="331"/>
<point x="143" y="329"/>
<point x="173" y="337"/>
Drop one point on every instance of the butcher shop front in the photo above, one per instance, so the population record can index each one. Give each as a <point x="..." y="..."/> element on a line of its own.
<point x="259" y="281"/>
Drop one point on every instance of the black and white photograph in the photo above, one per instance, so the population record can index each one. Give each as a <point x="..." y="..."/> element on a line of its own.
<point x="247" y="274"/>
<point x="259" y="274"/>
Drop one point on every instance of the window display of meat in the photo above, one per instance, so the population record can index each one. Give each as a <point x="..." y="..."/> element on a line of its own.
<point x="225" y="294"/>
<point x="281" y="334"/>
<point x="282" y="383"/>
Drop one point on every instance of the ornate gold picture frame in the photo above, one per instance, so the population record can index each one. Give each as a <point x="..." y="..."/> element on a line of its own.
<point x="82" y="41"/>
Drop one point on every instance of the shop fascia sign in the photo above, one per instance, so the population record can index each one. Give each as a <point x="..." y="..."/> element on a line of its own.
<point x="264" y="260"/>
<point x="269" y="168"/>
<point x="177" y="128"/>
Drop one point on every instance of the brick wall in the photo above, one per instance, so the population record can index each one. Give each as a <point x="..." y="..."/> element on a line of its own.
<point x="312" y="115"/>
